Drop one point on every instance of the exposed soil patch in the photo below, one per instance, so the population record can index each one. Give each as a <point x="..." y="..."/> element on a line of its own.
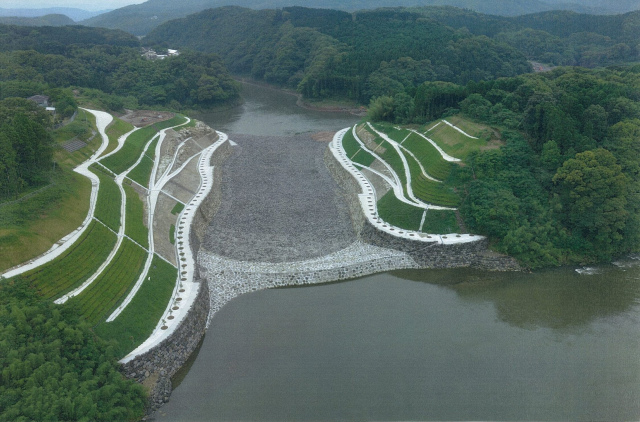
<point x="322" y="136"/>
<point x="142" y="118"/>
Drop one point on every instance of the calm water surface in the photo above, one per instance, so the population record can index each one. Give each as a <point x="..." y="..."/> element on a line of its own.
<point x="271" y="112"/>
<point x="422" y="345"/>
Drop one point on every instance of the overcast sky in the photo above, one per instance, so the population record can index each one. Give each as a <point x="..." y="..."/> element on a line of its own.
<point x="80" y="4"/>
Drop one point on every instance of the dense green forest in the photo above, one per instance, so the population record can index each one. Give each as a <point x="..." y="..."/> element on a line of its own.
<point x="332" y="53"/>
<point x="557" y="38"/>
<point x="54" y="367"/>
<point x="329" y="53"/>
<point x="26" y="146"/>
<point x="140" y="19"/>
<point x="33" y="60"/>
<point x="565" y="187"/>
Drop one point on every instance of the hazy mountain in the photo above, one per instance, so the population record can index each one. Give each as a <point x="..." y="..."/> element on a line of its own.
<point x="47" y="20"/>
<point x="616" y="6"/>
<point x="71" y="12"/>
<point x="140" y="19"/>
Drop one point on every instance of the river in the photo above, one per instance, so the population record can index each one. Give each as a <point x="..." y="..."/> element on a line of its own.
<point x="415" y="345"/>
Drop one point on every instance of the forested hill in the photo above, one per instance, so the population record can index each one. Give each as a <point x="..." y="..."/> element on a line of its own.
<point x="140" y="19"/>
<point x="327" y="52"/>
<point x="46" y="20"/>
<point x="557" y="38"/>
<point x="54" y="40"/>
<point x="37" y="60"/>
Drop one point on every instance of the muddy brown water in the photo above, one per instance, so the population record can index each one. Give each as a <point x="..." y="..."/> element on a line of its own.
<point x="419" y="345"/>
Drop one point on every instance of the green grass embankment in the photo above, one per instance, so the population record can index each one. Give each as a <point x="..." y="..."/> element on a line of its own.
<point x="115" y="130"/>
<point x="440" y="221"/>
<point x="110" y="288"/>
<point x="458" y="144"/>
<point x="109" y="199"/>
<point x="177" y="208"/>
<point x="137" y="320"/>
<point x="399" y="214"/>
<point x="75" y="265"/>
<point x="134" y="145"/>
<point x="134" y="218"/>
<point x="141" y="174"/>
<point x="31" y="225"/>
<point x="354" y="152"/>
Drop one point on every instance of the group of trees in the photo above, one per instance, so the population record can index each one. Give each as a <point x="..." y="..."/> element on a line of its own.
<point x="26" y="146"/>
<point x="53" y="367"/>
<point x="110" y="61"/>
<point x="564" y="187"/>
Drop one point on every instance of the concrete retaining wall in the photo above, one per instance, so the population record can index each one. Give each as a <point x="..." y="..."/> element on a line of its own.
<point x="211" y="204"/>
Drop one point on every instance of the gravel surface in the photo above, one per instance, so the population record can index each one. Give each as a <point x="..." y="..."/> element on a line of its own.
<point x="279" y="203"/>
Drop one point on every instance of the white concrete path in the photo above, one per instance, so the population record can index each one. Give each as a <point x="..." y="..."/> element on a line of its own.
<point x="368" y="201"/>
<point x="459" y="130"/>
<point x="102" y="121"/>
<point x="152" y="200"/>
<point x="444" y="155"/>
<point x="186" y="289"/>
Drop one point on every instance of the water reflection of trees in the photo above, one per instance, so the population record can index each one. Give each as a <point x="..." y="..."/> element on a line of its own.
<point x="558" y="299"/>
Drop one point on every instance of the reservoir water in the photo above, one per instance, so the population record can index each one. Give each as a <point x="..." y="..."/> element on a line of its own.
<point x="418" y="345"/>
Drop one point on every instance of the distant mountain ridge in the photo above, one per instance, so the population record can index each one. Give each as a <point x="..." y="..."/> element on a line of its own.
<point x="47" y="20"/>
<point x="72" y="12"/>
<point x="140" y="19"/>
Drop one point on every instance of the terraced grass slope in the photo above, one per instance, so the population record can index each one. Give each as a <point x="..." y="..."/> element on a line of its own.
<point x="109" y="199"/>
<point x="423" y="170"/>
<point x="75" y="265"/>
<point x="112" y="285"/>
<point x="141" y="174"/>
<point x="138" y="319"/>
<point x="455" y="143"/>
<point x="134" y="218"/>
<point x="398" y="213"/>
<point x="425" y="189"/>
<point x="354" y="150"/>
<point x="133" y="147"/>
<point x="115" y="130"/>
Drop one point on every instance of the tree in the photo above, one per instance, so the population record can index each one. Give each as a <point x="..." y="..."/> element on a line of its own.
<point x="593" y="193"/>
<point x="381" y="109"/>
<point x="53" y="365"/>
